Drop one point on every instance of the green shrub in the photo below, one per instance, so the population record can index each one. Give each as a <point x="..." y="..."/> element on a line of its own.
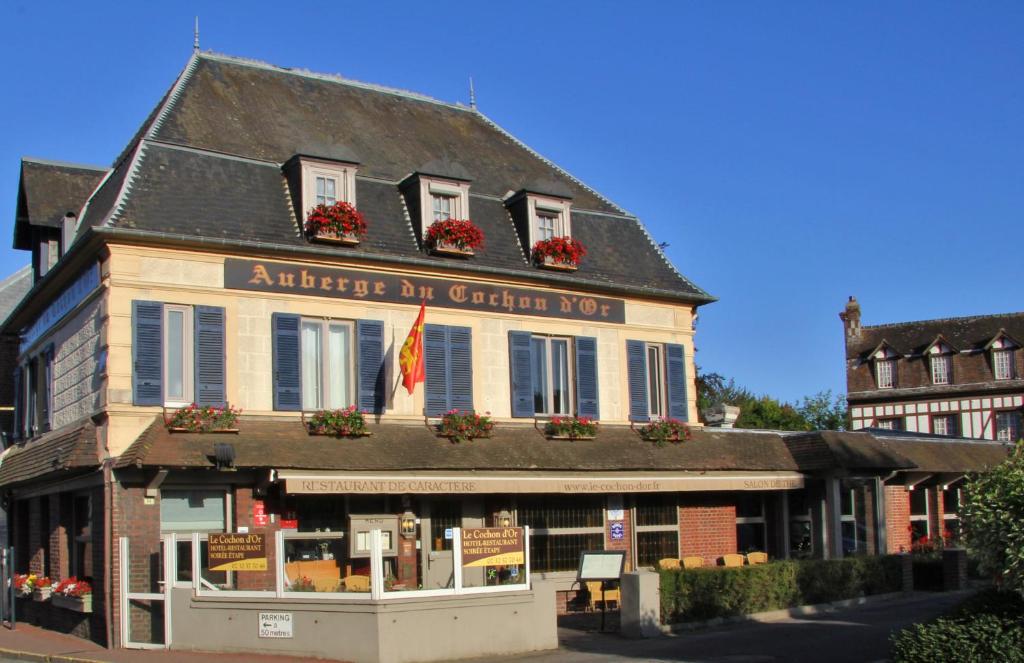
<point x="986" y="627"/>
<point x="699" y="594"/>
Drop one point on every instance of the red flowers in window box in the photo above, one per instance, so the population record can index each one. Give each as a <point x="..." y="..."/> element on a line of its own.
<point x="562" y="253"/>
<point x="665" y="430"/>
<point x="339" y="223"/>
<point x="204" y="419"/>
<point x="464" y="426"/>
<point x="454" y="237"/>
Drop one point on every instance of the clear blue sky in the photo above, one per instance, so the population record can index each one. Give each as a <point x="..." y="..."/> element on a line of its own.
<point x="792" y="153"/>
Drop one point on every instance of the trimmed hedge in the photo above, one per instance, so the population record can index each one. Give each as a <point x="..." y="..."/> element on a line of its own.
<point x="987" y="627"/>
<point x="698" y="594"/>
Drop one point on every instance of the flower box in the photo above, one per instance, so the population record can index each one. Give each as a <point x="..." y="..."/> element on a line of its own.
<point x="464" y="426"/>
<point x="454" y="237"/>
<point x="551" y="263"/>
<point x="346" y="422"/>
<point x="205" y="419"/>
<point x="571" y="428"/>
<point x="559" y="253"/>
<point x="349" y="239"/>
<point x="661" y="431"/>
<point x="340" y="223"/>
<point x="42" y="593"/>
<point x="448" y="249"/>
<point x="77" y="603"/>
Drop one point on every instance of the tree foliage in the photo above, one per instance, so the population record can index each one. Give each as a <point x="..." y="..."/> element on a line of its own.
<point x="821" y="411"/>
<point x="993" y="520"/>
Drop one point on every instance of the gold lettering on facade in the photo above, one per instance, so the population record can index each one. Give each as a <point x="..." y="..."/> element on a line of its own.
<point x="342" y="284"/>
<point x="508" y="302"/>
<point x="565" y="304"/>
<point x="457" y="293"/>
<point x="378" y="287"/>
<point x="408" y="289"/>
<point x="540" y="304"/>
<point x="524" y="301"/>
<point x="361" y="288"/>
<point x="426" y="292"/>
<point x="588" y="306"/>
<point x="478" y="297"/>
<point x="285" y="279"/>
<point x="604" y="310"/>
<point x="259" y="275"/>
<point x="306" y="280"/>
<point x="326" y="283"/>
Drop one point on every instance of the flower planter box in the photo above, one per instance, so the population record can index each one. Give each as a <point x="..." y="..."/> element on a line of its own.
<point x="551" y="263"/>
<point x="75" y="603"/>
<point x="572" y="437"/>
<point x="328" y="433"/>
<point x="174" y="429"/>
<point x="446" y="249"/>
<point x="486" y="436"/>
<point x="331" y="238"/>
<point x="42" y="594"/>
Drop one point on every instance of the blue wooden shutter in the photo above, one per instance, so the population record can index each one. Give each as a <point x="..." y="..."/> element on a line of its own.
<point x="636" y="368"/>
<point x="47" y="389"/>
<point x="520" y="368"/>
<point x="460" y="368"/>
<point x="675" y="358"/>
<point x="147" y="353"/>
<point x="209" y="350"/>
<point x="586" y="377"/>
<point x="371" y="372"/>
<point x="435" y="363"/>
<point x="286" y="364"/>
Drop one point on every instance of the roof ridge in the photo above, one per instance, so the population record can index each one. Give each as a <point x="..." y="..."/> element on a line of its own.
<point x="64" y="164"/>
<point x="126" y="184"/>
<point x="890" y="325"/>
<point x="331" y="78"/>
<point x="173" y="94"/>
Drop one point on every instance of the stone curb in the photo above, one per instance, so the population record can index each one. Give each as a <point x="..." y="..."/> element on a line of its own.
<point x="797" y="611"/>
<point x="45" y="658"/>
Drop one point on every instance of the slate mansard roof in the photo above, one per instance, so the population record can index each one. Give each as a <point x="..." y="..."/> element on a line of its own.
<point x="207" y="167"/>
<point x="969" y="334"/>
<point x="48" y="191"/>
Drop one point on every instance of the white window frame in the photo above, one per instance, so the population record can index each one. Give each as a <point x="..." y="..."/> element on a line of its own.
<point x="549" y="374"/>
<point x="1007" y="425"/>
<point x="187" y="355"/>
<point x="555" y="208"/>
<point x="1002" y="363"/>
<point x="431" y="186"/>
<point x="888" y="423"/>
<point x="941" y="369"/>
<point x="926" y="517"/>
<point x="325" y="363"/>
<point x="950" y="420"/>
<point x="755" y="520"/>
<point x="229" y="519"/>
<point x="344" y="175"/>
<point x="657" y="403"/>
<point x="885" y="373"/>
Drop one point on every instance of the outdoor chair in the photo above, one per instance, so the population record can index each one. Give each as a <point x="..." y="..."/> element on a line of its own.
<point x="732" y="560"/>
<point x="668" y="563"/>
<point x="693" y="562"/>
<point x="757" y="558"/>
<point x="594" y="589"/>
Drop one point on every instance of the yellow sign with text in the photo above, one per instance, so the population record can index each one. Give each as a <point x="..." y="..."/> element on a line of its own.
<point x="492" y="546"/>
<point x="237" y="552"/>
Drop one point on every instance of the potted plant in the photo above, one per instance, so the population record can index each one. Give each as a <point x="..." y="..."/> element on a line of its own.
<point x="73" y="594"/>
<point x="561" y="253"/>
<point x="340" y="223"/>
<point x="347" y="422"/>
<point x="571" y="428"/>
<point x="457" y="237"/>
<point x="301" y="584"/>
<point x="665" y="430"/>
<point x="42" y="587"/>
<point x="464" y="426"/>
<point x="204" y="419"/>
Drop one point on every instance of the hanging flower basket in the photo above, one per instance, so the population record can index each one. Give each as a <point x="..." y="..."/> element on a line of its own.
<point x="347" y="422"/>
<point x="464" y="426"/>
<point x="340" y="223"/>
<point x="454" y="237"/>
<point x="205" y="419"/>
<point x="661" y="431"/>
<point x="559" y="253"/>
<point x="571" y="428"/>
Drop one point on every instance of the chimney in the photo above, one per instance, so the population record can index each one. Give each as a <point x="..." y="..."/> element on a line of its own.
<point x="851" y="319"/>
<point x="721" y="415"/>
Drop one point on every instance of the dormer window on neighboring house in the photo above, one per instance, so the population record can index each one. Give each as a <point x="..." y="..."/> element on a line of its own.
<point x="885" y="373"/>
<point x="941" y="369"/>
<point x="1002" y="349"/>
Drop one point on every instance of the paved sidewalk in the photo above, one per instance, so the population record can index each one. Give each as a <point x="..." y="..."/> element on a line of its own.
<point x="31" y="643"/>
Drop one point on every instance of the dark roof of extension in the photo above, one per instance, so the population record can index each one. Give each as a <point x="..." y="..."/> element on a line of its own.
<point x="48" y="191"/>
<point x="207" y="167"/>
<point x="285" y="445"/>
<point x="912" y="338"/>
<point x="13" y="289"/>
<point x="56" y="452"/>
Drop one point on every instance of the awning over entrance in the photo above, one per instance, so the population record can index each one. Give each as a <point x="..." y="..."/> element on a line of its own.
<point x="326" y="482"/>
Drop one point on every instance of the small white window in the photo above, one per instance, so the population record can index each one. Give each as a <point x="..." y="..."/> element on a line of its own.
<point x="888" y="424"/>
<point x="327" y="366"/>
<point x="944" y="424"/>
<point x="326" y="190"/>
<point x="1007" y="426"/>
<point x="1002" y="364"/>
<point x="326" y="182"/>
<point x="885" y="373"/>
<point x="442" y="200"/>
<point x="552" y="381"/>
<point x="549" y="217"/>
<point x="655" y="381"/>
<point x="178" y="357"/>
<point x="443" y="206"/>
<point x="940" y="369"/>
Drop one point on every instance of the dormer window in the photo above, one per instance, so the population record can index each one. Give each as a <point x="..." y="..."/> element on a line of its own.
<point x="325" y="183"/>
<point x="940" y="365"/>
<point x="549" y="217"/>
<point x="885" y="373"/>
<point x="444" y="206"/>
<point x="1002" y="364"/>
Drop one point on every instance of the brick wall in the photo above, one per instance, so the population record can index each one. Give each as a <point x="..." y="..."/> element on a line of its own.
<point x="140" y="522"/>
<point x="256" y="580"/>
<point x="916" y="372"/>
<point x="897" y="518"/>
<point x="707" y="526"/>
<point x="57" y="533"/>
<point x="37" y="539"/>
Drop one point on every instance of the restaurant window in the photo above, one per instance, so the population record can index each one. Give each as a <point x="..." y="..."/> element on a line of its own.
<point x="891" y="423"/>
<point x="553" y="375"/>
<point x="951" y="516"/>
<point x="656" y="375"/>
<point x="751" y="529"/>
<point x="184" y="511"/>
<point x="657" y="528"/>
<point x="801" y="528"/>
<point x="327" y="367"/>
<point x="562" y="526"/>
<point x="919" y="527"/>
<point x="851" y="518"/>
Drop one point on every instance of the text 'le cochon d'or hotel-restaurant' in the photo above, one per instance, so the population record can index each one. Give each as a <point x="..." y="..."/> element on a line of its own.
<point x="266" y="243"/>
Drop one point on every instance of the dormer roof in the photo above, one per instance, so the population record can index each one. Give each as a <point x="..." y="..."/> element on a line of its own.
<point x="48" y="191"/>
<point x="966" y="334"/>
<point x="1001" y="335"/>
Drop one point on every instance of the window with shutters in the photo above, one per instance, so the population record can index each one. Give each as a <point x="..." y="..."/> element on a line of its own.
<point x="321" y="363"/>
<point x="553" y="375"/>
<point x="327" y="364"/>
<point x="179" y="387"/>
<point x="448" y="365"/>
<point x="657" y="379"/>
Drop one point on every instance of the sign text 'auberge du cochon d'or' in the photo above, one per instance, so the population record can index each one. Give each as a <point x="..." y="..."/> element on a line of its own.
<point x="264" y="276"/>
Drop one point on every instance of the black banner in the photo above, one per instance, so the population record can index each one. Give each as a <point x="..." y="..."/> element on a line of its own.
<point x="263" y="276"/>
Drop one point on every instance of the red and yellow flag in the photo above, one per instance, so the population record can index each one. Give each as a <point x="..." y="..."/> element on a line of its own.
<point x="410" y="359"/>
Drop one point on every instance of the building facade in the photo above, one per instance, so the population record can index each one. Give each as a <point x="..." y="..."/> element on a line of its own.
<point x="951" y="377"/>
<point x="186" y="274"/>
